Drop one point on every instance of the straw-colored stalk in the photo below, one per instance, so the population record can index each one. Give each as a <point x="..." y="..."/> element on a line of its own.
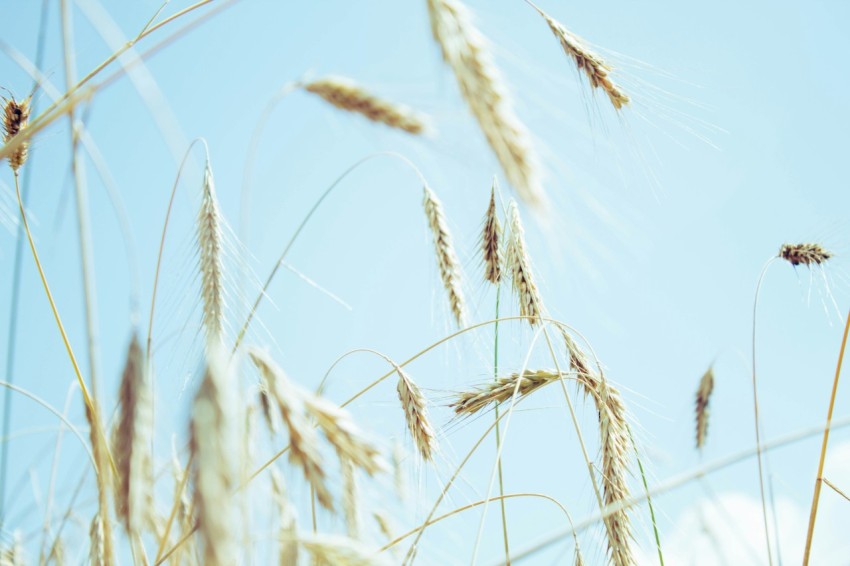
<point x="806" y="254"/>
<point x="210" y="253"/>
<point x="288" y="535"/>
<point x="502" y="389"/>
<point x="706" y="386"/>
<point x="593" y="65"/>
<point x="530" y="302"/>
<point x="467" y="53"/>
<point x="214" y="427"/>
<point x="16" y="117"/>
<point x="303" y="440"/>
<point x="447" y="260"/>
<point x="347" y="95"/>
<point x="491" y="241"/>
<point x="132" y="442"/>
<point x="336" y="550"/>
<point x="416" y="414"/>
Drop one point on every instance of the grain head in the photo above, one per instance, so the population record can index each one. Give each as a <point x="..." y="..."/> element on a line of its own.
<point x="530" y="302"/>
<point x="706" y="386"/>
<point x="415" y="408"/>
<point x="502" y="390"/>
<point x="447" y="260"/>
<point x="491" y="241"/>
<point x="16" y="117"/>
<point x="806" y="254"/>
<point x="210" y="253"/>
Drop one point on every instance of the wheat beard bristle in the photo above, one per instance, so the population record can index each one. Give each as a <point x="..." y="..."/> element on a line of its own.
<point x="706" y="386"/>
<point x="211" y="262"/>
<point x="807" y="254"/>
<point x="132" y="442"/>
<point x="594" y="67"/>
<point x="214" y="426"/>
<point x="447" y="260"/>
<point x="347" y="95"/>
<point x="16" y="117"/>
<point x="416" y="414"/>
<point x="530" y="302"/>
<point x="502" y="390"/>
<point x="491" y="242"/>
<point x="466" y="51"/>
<point x="303" y="440"/>
<point x="336" y="550"/>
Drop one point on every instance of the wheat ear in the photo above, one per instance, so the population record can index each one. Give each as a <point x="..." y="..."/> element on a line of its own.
<point x="806" y="254"/>
<point x="416" y="414"/>
<point x="706" y="386"/>
<point x="491" y="241"/>
<point x="501" y="390"/>
<point x="467" y="53"/>
<point x="210" y="252"/>
<point x="530" y="302"/>
<point x="447" y="260"/>
<point x="347" y="95"/>
<point x="16" y="117"/>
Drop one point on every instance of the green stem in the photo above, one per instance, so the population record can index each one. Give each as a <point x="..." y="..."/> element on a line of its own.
<point x="648" y="497"/>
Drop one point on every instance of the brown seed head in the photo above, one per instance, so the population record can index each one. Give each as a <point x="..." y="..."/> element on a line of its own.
<point x="16" y="116"/>
<point x="501" y="390"/>
<point x="530" y="302"/>
<point x="447" y="260"/>
<point x="416" y="414"/>
<point x="491" y="241"/>
<point x="706" y="386"/>
<point x="808" y="254"/>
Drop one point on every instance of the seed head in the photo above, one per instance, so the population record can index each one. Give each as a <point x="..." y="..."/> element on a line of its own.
<point x="807" y="254"/>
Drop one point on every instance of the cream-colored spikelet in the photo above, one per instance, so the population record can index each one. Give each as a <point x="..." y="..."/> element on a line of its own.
<point x="530" y="302"/>
<point x="447" y="260"/>
<point x="210" y="253"/>
<point x="501" y="390"/>
<point x="303" y="440"/>
<point x="288" y="534"/>
<point x="467" y="53"/>
<point x="335" y="550"/>
<point x="215" y="424"/>
<point x="491" y="241"/>
<point x="132" y="442"/>
<point x="706" y="386"/>
<point x="347" y="95"/>
<point x="16" y="117"/>
<point x="593" y="66"/>
<point x="415" y="407"/>
<point x="806" y="254"/>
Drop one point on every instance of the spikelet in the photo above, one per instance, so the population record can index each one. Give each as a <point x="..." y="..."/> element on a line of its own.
<point x="132" y="442"/>
<point x="491" y="241"/>
<point x="806" y="254"/>
<point x="287" y="539"/>
<point x="416" y="414"/>
<point x="214" y="426"/>
<point x="210" y="252"/>
<point x="530" y="302"/>
<point x="343" y="434"/>
<point x="501" y="390"/>
<point x="466" y="51"/>
<point x="384" y="525"/>
<point x="447" y="261"/>
<point x="104" y="486"/>
<point x="706" y="386"/>
<point x="98" y="554"/>
<point x="348" y="95"/>
<point x="16" y="117"/>
<point x="349" y="498"/>
<point x="13" y="554"/>
<point x="335" y="550"/>
<point x="594" y="67"/>
<point x="303" y="440"/>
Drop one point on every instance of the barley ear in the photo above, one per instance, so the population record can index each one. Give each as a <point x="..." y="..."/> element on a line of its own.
<point x="447" y="260"/>
<point x="491" y="241"/>
<point x="210" y="252"/>
<point x="415" y="407"/>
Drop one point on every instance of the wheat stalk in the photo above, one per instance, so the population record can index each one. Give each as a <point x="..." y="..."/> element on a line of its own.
<point x="502" y="389"/>
<point x="132" y="442"/>
<point x="706" y="386"/>
<point x="806" y="254"/>
<point x="594" y="67"/>
<point x="491" y="241"/>
<point x="447" y="260"/>
<point x="16" y="117"/>
<point x="210" y="252"/>
<point x="214" y="425"/>
<point x="303" y="441"/>
<point x="530" y="302"/>
<point x="416" y="414"/>
<point x="466" y="51"/>
<point x="347" y="95"/>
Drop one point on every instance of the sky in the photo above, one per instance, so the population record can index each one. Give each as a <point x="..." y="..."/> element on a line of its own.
<point x="662" y="218"/>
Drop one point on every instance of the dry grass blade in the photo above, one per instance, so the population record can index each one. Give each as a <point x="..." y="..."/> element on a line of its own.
<point x="215" y="423"/>
<point x="466" y="51"/>
<point x="303" y="440"/>
<point x="132" y="442"/>
<point x="210" y="252"/>
<point x="706" y="386"/>
<point x="416" y="414"/>
<point x="806" y="254"/>
<point x="16" y="117"/>
<point x="502" y="389"/>
<point x="491" y="241"/>
<point x="341" y="551"/>
<point x="530" y="302"/>
<point x="594" y="67"/>
<point x="348" y="95"/>
<point x="447" y="260"/>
